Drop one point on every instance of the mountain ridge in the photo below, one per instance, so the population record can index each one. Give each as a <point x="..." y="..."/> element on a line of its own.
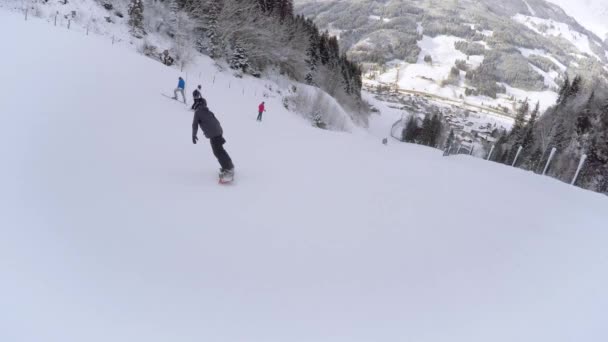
<point x="503" y="51"/>
<point x="592" y="13"/>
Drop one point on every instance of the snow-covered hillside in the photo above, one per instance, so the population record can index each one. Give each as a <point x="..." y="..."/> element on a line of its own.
<point x="593" y="14"/>
<point x="549" y="27"/>
<point x="428" y="78"/>
<point x="482" y="53"/>
<point x="425" y="76"/>
<point x="114" y="228"/>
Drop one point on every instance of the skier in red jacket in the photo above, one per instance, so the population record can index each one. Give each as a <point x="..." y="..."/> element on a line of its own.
<point x="261" y="109"/>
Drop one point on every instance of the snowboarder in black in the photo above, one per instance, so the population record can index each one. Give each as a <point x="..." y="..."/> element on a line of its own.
<point x="198" y="97"/>
<point x="212" y="130"/>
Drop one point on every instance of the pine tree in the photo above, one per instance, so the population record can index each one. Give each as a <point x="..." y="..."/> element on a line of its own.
<point x="499" y="148"/>
<point x="410" y="132"/>
<point x="595" y="174"/>
<point x="561" y="137"/>
<point x="239" y="59"/>
<point x="435" y="130"/>
<point x="527" y="141"/>
<point x="426" y="131"/>
<point x="564" y="90"/>
<point x="583" y="121"/>
<point x="504" y="157"/>
<point x="206" y="15"/>
<point x="333" y="50"/>
<point x="267" y="6"/>
<point x="534" y="160"/>
<point x="284" y="9"/>
<point x="575" y="87"/>
<point x="173" y="21"/>
<point x="211" y="16"/>
<point x="448" y="143"/>
<point x="136" y="18"/>
<point x="569" y="90"/>
<point x="517" y="132"/>
<point x="324" y="48"/>
<point x="346" y="78"/>
<point x="312" y="55"/>
<point x="528" y="137"/>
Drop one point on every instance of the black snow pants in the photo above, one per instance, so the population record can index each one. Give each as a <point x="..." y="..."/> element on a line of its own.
<point x="260" y="116"/>
<point x="217" y="145"/>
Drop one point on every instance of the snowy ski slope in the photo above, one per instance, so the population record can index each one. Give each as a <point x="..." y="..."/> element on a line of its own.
<point x="113" y="227"/>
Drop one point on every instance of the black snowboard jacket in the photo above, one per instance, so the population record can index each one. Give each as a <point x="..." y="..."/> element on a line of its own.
<point x="209" y="124"/>
<point x="196" y="94"/>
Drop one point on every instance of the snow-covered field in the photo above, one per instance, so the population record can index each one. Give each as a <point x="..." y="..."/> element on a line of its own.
<point x="113" y="226"/>
<point x="542" y="53"/>
<point x="427" y="77"/>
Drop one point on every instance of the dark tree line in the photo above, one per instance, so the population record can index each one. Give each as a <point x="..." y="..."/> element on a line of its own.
<point x="323" y="53"/>
<point x="429" y="133"/>
<point x="282" y="8"/>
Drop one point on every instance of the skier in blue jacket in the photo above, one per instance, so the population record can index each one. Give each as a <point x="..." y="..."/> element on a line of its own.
<point x="181" y="85"/>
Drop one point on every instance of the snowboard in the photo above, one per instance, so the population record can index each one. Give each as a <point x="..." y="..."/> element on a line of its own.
<point x="172" y="98"/>
<point x="225" y="179"/>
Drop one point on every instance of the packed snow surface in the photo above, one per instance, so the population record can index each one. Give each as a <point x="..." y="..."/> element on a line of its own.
<point x="114" y="227"/>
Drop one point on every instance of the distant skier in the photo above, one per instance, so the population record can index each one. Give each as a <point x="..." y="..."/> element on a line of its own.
<point x="198" y="97"/>
<point x="212" y="130"/>
<point x="181" y="85"/>
<point x="261" y="110"/>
